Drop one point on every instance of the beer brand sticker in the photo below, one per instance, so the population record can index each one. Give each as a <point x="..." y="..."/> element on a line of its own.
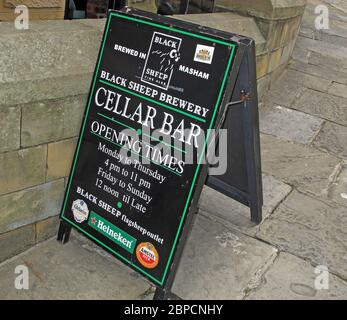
<point x="204" y="54"/>
<point x="80" y="211"/>
<point x="162" y="55"/>
<point x="147" y="255"/>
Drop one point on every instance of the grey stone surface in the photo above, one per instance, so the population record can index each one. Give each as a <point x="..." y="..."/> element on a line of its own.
<point x="71" y="271"/>
<point x="291" y="278"/>
<point x="263" y="86"/>
<point x="52" y="120"/>
<point x="306" y="168"/>
<point x="266" y="9"/>
<point x="66" y="55"/>
<point x="16" y="241"/>
<point x="284" y="92"/>
<point x="22" y="169"/>
<point x="9" y="128"/>
<point x="333" y="139"/>
<point x="318" y="49"/>
<point x="215" y="204"/>
<point x="311" y="229"/>
<point x="338" y="89"/>
<point x="307" y="80"/>
<point x="289" y="124"/>
<point x="323" y="105"/>
<point x="24" y="207"/>
<point x="338" y="190"/>
<point x="22" y="92"/>
<point x="219" y="263"/>
<point x="47" y="228"/>
<point x="320" y="71"/>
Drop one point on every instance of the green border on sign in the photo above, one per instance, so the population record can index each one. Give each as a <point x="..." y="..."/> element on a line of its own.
<point x="121" y="16"/>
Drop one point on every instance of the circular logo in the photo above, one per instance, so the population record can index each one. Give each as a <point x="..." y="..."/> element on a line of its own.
<point x="80" y="211"/>
<point x="147" y="255"/>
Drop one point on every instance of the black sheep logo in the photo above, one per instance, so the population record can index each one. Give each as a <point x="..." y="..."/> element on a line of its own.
<point x="167" y="59"/>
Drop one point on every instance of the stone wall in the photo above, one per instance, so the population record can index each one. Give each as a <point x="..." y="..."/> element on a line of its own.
<point x="45" y="73"/>
<point x="38" y="9"/>
<point x="279" y="23"/>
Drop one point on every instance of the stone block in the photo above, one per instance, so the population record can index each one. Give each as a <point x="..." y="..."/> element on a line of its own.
<point x="275" y="59"/>
<point x="23" y="92"/>
<point x="291" y="278"/>
<point x="310" y="229"/>
<point x="47" y="228"/>
<point x="338" y="189"/>
<point x="219" y="263"/>
<point x="52" y="120"/>
<point x="338" y="89"/>
<point x="59" y="158"/>
<point x="263" y="85"/>
<point x="332" y="138"/>
<point x="284" y="92"/>
<point x="22" y="169"/>
<point x="214" y="204"/>
<point x="307" y="80"/>
<point x="15" y="242"/>
<point x="30" y="205"/>
<point x="72" y="50"/>
<point x="322" y="105"/>
<point x="304" y="167"/>
<point x="9" y="128"/>
<point x="266" y="9"/>
<point x="289" y="124"/>
<point x="262" y="65"/>
<point x="276" y="29"/>
<point x="75" y="271"/>
<point x="320" y="71"/>
<point x="35" y="3"/>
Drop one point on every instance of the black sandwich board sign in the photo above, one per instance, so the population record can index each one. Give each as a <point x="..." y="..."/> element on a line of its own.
<point x="159" y="87"/>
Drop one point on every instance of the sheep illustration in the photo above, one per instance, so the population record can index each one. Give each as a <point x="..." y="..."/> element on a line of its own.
<point x="167" y="59"/>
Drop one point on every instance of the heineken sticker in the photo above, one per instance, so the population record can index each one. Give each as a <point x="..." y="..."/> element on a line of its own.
<point x="156" y="93"/>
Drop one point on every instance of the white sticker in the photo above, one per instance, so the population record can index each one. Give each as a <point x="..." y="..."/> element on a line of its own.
<point x="80" y="211"/>
<point x="204" y="54"/>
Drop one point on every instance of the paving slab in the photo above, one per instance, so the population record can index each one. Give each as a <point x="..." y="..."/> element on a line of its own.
<point x="321" y="71"/>
<point x="310" y="229"/>
<point x="338" y="89"/>
<point x="75" y="270"/>
<point x="333" y="139"/>
<point x="338" y="190"/>
<point x="219" y="262"/>
<point x="306" y="168"/>
<point x="292" y="278"/>
<point x="289" y="124"/>
<point x="284" y="92"/>
<point x="216" y="204"/>
<point x="323" y="105"/>
<point x="307" y="80"/>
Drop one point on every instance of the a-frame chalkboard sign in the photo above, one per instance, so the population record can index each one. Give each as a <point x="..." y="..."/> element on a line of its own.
<point x="160" y="86"/>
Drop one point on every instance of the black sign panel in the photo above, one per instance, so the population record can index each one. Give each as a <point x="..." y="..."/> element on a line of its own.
<point x="156" y="91"/>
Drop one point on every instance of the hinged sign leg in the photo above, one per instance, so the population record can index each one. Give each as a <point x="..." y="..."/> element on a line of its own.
<point x="64" y="232"/>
